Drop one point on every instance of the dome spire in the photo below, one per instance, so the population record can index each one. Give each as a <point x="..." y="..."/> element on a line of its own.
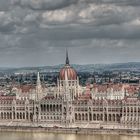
<point x="67" y="57"/>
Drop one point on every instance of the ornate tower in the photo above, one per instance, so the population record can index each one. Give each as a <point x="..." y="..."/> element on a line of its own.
<point x="72" y="79"/>
<point x="67" y="110"/>
<point x="38" y="88"/>
<point x="38" y="96"/>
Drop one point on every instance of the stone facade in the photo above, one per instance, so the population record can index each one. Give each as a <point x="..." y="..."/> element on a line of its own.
<point x="67" y="106"/>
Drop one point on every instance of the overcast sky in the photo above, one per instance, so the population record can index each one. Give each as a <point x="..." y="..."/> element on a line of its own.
<point x="37" y="32"/>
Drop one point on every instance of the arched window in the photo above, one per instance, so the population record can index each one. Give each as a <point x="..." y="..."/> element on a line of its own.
<point x="27" y="116"/>
<point x="94" y="117"/>
<point x="101" y="117"/>
<point x="1" y="115"/>
<point x="79" y="116"/>
<point x="98" y="117"/>
<point x="14" y="116"/>
<point x="20" y="115"/>
<point x="54" y="108"/>
<point x="90" y="116"/>
<point x="86" y="116"/>
<point x="41" y="107"/>
<point x="4" y="115"/>
<point x="83" y="117"/>
<point x="23" y="115"/>
<point x="50" y="107"/>
<point x="17" y="115"/>
<point x="8" y="116"/>
<point x="131" y="109"/>
<point x="114" y="117"/>
<point x="44" y="108"/>
<point x="75" y="116"/>
<point x="57" y="108"/>
<point x="47" y="107"/>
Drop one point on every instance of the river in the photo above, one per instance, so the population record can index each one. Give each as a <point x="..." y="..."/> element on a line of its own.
<point x="51" y="136"/>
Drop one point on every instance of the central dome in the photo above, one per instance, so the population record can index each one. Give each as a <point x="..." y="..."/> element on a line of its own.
<point x="71" y="73"/>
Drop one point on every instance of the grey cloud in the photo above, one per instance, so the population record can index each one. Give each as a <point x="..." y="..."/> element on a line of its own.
<point x="6" y="22"/>
<point x="117" y="2"/>
<point x="58" y="4"/>
<point x="94" y="15"/>
<point x="83" y="32"/>
<point x="44" y="4"/>
<point x="5" y="5"/>
<point x="96" y="31"/>
<point x="7" y="28"/>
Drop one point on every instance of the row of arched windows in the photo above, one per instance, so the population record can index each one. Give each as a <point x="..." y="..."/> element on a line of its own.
<point x="49" y="108"/>
<point x="131" y="109"/>
<point x="18" y="115"/>
<point x="6" y="115"/>
<point x="50" y="117"/>
<point x="96" y="117"/>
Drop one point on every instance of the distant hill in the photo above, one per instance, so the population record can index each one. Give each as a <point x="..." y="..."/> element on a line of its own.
<point x="130" y="66"/>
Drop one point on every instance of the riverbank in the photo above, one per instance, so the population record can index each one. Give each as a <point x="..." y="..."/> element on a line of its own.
<point x="89" y="131"/>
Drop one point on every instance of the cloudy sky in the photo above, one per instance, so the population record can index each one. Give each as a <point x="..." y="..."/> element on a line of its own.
<point x="37" y="32"/>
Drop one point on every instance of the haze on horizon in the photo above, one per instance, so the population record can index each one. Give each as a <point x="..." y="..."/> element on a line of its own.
<point x="37" y="32"/>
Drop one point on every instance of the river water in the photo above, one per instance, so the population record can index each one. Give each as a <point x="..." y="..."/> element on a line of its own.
<point x="51" y="136"/>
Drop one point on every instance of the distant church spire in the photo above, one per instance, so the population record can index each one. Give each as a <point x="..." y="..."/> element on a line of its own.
<point x="67" y="57"/>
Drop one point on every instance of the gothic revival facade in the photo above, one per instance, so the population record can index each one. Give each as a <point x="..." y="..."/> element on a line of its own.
<point x="66" y="105"/>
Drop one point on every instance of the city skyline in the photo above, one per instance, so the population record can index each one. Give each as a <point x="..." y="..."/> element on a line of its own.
<point x="37" y="32"/>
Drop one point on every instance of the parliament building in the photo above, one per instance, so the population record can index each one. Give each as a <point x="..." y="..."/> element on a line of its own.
<point x="70" y="105"/>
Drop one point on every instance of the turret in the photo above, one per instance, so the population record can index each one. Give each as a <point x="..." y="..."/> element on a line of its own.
<point x="38" y="87"/>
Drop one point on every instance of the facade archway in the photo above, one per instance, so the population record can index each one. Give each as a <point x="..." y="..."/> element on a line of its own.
<point x="90" y="116"/>
<point x="75" y="116"/>
<point x="94" y="117"/>
<point x="83" y="118"/>
<point x="50" y="107"/>
<point x="2" y="115"/>
<point x="105" y="117"/>
<point x="20" y="115"/>
<point x="79" y="116"/>
<point x="17" y="115"/>
<point x="109" y="118"/>
<point x="54" y="108"/>
<point x="86" y="116"/>
<point x="8" y="116"/>
<point x="113" y="117"/>
<point x="98" y="117"/>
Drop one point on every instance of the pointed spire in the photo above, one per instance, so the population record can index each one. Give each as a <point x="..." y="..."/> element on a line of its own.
<point x="38" y="79"/>
<point x="38" y="87"/>
<point x="67" y="57"/>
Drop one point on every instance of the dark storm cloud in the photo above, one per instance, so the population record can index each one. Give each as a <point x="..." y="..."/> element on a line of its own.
<point x="58" y="4"/>
<point x="117" y="2"/>
<point x="82" y="32"/>
<point x="44" y="4"/>
<point x="36" y="32"/>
